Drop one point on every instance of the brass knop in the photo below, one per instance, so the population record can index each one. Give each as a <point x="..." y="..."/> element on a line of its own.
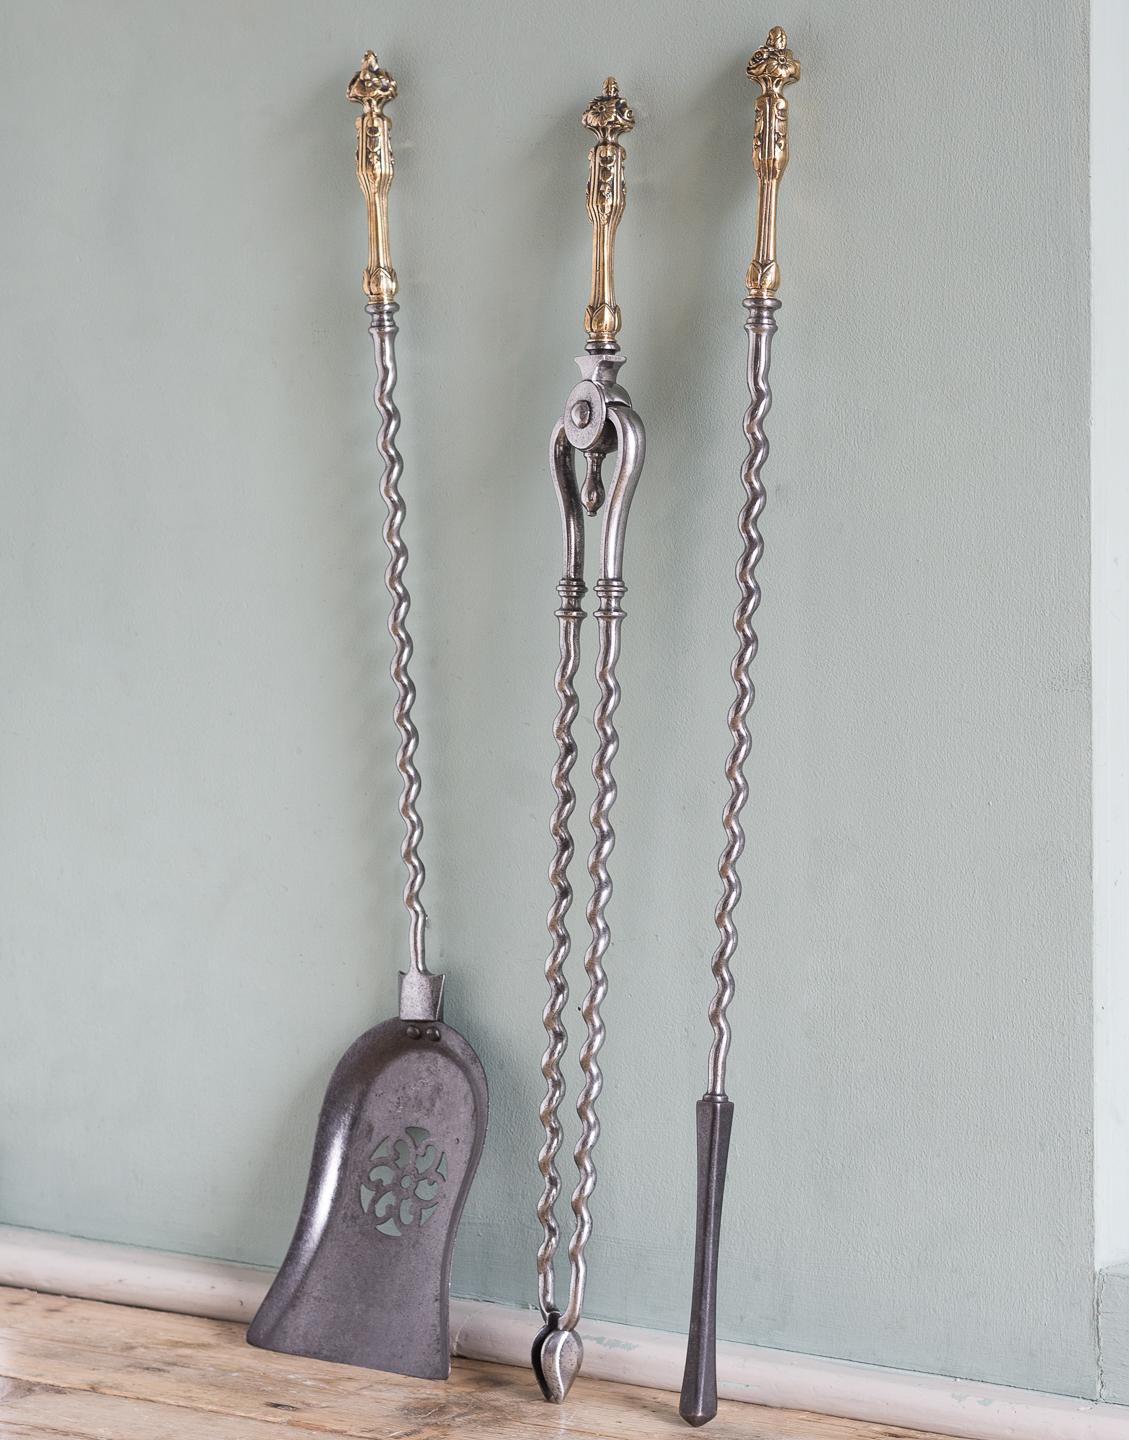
<point x="772" y="67"/>
<point x="372" y="88"/>
<point x="608" y="116"/>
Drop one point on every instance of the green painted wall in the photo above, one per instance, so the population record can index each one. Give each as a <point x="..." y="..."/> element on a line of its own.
<point x="199" y="882"/>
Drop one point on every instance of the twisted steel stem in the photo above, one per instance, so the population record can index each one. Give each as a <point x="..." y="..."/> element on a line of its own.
<point x="383" y="331"/>
<point x="761" y="326"/>
<point x="609" y="616"/>
<point x="570" y="616"/>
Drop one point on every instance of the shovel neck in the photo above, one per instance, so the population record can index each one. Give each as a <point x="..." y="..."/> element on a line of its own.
<point x="421" y="995"/>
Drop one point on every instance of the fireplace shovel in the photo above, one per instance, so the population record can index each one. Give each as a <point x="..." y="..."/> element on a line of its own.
<point x="366" y="1279"/>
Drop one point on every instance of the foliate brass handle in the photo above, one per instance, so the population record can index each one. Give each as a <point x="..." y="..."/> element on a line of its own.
<point x="372" y="88"/>
<point x="608" y="117"/>
<point x="772" y="67"/>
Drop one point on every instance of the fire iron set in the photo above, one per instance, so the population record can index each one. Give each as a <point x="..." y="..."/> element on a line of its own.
<point x="366" y="1280"/>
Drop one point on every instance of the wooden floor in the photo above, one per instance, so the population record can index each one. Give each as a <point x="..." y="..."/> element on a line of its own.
<point x="79" y="1368"/>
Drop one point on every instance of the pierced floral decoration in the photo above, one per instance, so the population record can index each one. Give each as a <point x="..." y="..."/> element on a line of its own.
<point x="404" y="1185"/>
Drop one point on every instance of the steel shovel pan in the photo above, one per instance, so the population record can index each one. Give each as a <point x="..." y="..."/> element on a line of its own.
<point x="367" y="1275"/>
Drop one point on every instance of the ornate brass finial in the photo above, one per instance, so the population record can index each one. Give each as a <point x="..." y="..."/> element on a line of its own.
<point x="608" y="116"/>
<point x="772" y="67"/>
<point x="372" y="88"/>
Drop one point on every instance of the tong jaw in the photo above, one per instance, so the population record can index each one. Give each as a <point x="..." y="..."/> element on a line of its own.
<point x="557" y="1358"/>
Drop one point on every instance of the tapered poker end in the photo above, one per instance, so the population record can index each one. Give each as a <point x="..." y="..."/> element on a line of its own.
<point x="698" y="1402"/>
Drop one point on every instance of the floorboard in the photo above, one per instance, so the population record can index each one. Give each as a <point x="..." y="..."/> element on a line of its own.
<point x="84" y="1370"/>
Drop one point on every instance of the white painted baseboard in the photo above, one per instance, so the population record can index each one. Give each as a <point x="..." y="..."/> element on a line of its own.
<point x="1113" y="1332"/>
<point x="95" y="1270"/>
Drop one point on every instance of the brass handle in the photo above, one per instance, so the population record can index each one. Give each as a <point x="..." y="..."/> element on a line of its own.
<point x="772" y="67"/>
<point x="608" y="116"/>
<point x="372" y="88"/>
